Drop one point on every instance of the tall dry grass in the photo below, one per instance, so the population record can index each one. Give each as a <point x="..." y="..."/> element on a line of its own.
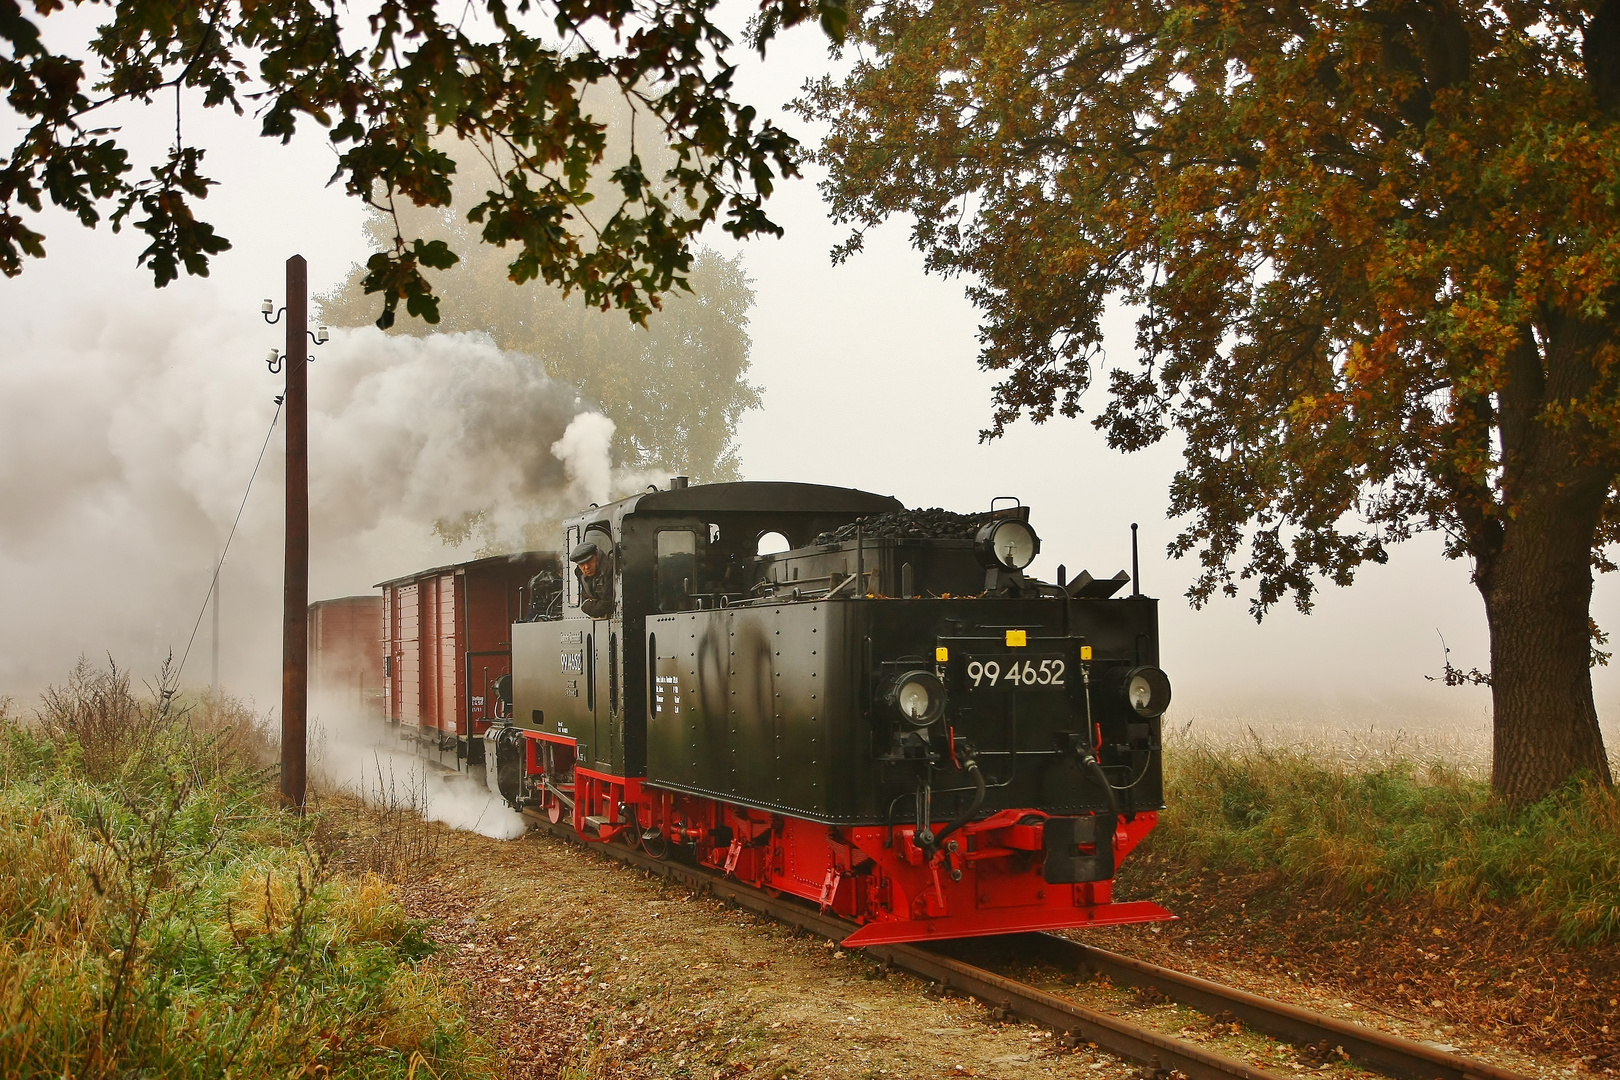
<point x="1360" y="821"/>
<point x="393" y="837"/>
<point x="160" y="917"/>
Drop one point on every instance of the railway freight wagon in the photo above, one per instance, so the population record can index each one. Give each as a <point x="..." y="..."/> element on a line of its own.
<point x="446" y="650"/>
<point x="346" y="657"/>
<point x="821" y="693"/>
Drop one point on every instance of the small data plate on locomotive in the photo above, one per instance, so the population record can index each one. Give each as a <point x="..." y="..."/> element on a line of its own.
<point x="1023" y="671"/>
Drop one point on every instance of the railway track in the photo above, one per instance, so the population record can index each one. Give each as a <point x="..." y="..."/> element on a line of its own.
<point x="1159" y="1053"/>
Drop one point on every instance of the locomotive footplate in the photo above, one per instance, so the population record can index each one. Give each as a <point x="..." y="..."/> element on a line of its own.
<point x="1011" y="922"/>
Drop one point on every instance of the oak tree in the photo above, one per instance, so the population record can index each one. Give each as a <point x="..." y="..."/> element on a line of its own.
<point x="383" y="84"/>
<point x="1373" y="251"/>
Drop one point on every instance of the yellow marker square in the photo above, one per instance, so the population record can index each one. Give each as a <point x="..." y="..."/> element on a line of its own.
<point x="1017" y="639"/>
<point x="1085" y="652"/>
<point x="942" y="654"/>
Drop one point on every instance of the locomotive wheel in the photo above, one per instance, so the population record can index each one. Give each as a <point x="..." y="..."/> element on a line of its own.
<point x="554" y="809"/>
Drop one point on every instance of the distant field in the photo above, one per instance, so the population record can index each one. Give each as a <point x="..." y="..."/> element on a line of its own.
<point x="1358" y="746"/>
<point x="1344" y="738"/>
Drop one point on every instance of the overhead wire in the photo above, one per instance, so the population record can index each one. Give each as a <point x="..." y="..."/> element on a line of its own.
<point x="213" y="582"/>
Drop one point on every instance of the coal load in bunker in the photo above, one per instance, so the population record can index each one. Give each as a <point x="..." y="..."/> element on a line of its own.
<point x="811" y="690"/>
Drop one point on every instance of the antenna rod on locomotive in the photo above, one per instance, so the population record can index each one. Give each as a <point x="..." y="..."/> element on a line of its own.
<point x="1136" y="571"/>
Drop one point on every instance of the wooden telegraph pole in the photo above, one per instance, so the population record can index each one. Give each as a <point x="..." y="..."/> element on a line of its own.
<point x="295" y="596"/>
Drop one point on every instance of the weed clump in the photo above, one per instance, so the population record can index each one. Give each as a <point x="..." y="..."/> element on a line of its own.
<point x="1396" y="831"/>
<point x="159" y="916"/>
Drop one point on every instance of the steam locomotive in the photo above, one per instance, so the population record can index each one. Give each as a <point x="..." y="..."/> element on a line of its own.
<point x="820" y="693"/>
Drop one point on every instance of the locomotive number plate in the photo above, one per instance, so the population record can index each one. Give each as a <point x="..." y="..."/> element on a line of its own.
<point x="1016" y="672"/>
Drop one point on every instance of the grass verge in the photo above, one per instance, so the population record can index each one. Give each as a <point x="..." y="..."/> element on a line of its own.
<point x="1395" y="831"/>
<point x="160" y="917"/>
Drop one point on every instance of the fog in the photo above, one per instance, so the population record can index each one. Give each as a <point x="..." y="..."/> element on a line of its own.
<point x="130" y="420"/>
<point x="129" y="428"/>
<point x="347" y="755"/>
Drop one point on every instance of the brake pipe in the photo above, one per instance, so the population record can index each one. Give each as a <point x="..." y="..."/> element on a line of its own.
<point x="971" y="767"/>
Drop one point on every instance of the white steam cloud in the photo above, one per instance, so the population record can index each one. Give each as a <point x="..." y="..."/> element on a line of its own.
<point x="127" y="436"/>
<point x="584" y="452"/>
<point x="346" y="755"/>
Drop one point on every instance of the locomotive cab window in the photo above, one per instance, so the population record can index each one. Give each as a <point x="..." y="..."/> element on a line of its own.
<point x="677" y="565"/>
<point x="772" y="543"/>
<point x="593" y="559"/>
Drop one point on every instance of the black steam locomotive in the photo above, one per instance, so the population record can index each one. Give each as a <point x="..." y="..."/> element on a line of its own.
<point x="822" y="693"/>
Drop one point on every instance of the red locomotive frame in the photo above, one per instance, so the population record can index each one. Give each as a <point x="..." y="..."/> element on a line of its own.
<point x="874" y="875"/>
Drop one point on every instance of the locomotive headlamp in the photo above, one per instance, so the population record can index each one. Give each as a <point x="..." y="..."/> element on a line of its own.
<point x="1148" y="691"/>
<point x="1012" y="545"/>
<point x="920" y="697"/>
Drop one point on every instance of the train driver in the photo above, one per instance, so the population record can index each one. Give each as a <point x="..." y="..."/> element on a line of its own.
<point x="593" y="569"/>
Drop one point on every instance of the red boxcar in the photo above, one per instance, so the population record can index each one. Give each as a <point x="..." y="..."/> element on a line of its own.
<point x="447" y="643"/>
<point x="346" y="656"/>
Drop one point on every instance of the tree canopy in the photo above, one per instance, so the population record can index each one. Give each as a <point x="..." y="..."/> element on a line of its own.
<point x="1373" y="252"/>
<point x="383" y="86"/>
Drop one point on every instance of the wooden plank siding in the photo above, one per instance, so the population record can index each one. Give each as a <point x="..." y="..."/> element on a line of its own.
<point x="447" y="638"/>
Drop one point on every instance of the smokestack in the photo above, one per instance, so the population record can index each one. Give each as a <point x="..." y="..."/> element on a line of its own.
<point x="678" y="483"/>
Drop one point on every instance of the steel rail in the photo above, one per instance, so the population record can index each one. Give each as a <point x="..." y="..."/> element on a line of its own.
<point x="1380" y="1051"/>
<point x="1159" y="1052"/>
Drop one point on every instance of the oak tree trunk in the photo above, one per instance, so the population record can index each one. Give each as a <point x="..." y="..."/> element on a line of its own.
<point x="1537" y="606"/>
<point x="1536" y="578"/>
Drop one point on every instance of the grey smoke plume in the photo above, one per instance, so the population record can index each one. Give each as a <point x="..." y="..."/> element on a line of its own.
<point x="127" y="436"/>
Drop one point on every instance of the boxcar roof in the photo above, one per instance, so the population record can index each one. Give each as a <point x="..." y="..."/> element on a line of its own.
<point x="489" y="560"/>
<point x="363" y="598"/>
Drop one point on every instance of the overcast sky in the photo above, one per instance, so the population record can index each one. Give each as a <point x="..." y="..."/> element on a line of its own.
<point x="116" y="400"/>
